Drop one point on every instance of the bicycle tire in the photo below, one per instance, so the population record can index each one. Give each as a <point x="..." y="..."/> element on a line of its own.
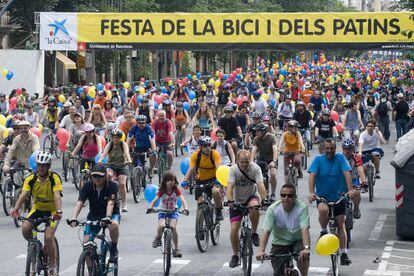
<point x="32" y="260"/>
<point x="371" y="185"/>
<point x="75" y="176"/>
<point x="57" y="254"/>
<point x="1" y="181"/>
<point x="8" y="202"/>
<point x="65" y="166"/>
<point x="215" y="230"/>
<point x="136" y="184"/>
<point x="335" y="264"/>
<point x="82" y="263"/>
<point x="348" y="225"/>
<point x="201" y="231"/>
<point x="247" y="252"/>
<point x="46" y="144"/>
<point x="167" y="254"/>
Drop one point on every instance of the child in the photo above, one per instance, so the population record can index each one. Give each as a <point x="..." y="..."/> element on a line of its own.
<point x="169" y="194"/>
<point x="224" y="148"/>
<point x="192" y="141"/>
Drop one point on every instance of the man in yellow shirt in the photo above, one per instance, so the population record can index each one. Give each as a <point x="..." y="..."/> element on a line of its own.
<point x="45" y="187"/>
<point x="203" y="163"/>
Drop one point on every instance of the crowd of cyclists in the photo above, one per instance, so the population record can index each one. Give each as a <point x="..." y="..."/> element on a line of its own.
<point x="245" y="119"/>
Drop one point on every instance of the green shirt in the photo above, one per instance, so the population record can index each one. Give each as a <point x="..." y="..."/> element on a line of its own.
<point x="286" y="227"/>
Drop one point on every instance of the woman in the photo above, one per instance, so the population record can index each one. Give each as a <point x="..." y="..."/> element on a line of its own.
<point x="178" y="95"/>
<point x="292" y="145"/>
<point x="97" y="118"/>
<point x="31" y="116"/>
<point x="79" y="107"/>
<point x="204" y="118"/>
<point x="110" y="112"/>
<point x="339" y="106"/>
<point x="116" y="100"/>
<point x="181" y="119"/>
<point x="118" y="158"/>
<point x="75" y="130"/>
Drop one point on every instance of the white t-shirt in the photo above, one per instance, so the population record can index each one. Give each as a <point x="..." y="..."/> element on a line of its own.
<point x="369" y="142"/>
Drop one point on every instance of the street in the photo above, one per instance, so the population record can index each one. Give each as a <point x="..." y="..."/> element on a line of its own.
<point x="374" y="250"/>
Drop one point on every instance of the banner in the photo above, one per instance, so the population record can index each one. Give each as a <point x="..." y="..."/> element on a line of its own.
<point x="216" y="31"/>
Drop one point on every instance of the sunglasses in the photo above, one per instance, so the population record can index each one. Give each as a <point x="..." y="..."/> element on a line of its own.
<point x="287" y="195"/>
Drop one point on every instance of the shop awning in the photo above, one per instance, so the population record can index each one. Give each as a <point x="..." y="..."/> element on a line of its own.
<point x="67" y="62"/>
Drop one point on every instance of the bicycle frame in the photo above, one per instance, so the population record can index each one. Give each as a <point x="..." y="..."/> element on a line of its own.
<point x="289" y="268"/>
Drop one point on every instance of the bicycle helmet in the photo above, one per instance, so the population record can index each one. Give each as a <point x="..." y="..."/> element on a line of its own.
<point x="101" y="93"/>
<point x="348" y="144"/>
<point x="261" y="127"/>
<point x="141" y="118"/>
<point x="117" y="132"/>
<point x="89" y="127"/>
<point x="326" y="112"/>
<point x="310" y="105"/>
<point x="228" y="109"/>
<point x="166" y="102"/>
<point x="179" y="104"/>
<point x="23" y="123"/>
<point x="300" y="103"/>
<point x="209" y="85"/>
<point x="256" y="94"/>
<point x="144" y="100"/>
<point x="204" y="140"/>
<point x="257" y="115"/>
<point x="51" y="99"/>
<point x="43" y="157"/>
<point x="18" y="117"/>
<point x="293" y="123"/>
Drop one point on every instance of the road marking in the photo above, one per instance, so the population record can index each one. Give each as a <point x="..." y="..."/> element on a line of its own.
<point x="71" y="270"/>
<point x="403" y="250"/>
<point x="382" y="273"/>
<point x="376" y="232"/>
<point x="173" y="261"/>
<point x="401" y="257"/>
<point x="317" y="269"/>
<point x="21" y="256"/>
<point x="382" y="266"/>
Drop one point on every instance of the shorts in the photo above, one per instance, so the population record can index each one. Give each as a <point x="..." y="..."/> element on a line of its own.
<point x="237" y="215"/>
<point x="278" y="263"/>
<point x="376" y="151"/>
<point x="170" y="216"/>
<point x="339" y="209"/>
<point x="356" y="183"/>
<point x="164" y="146"/>
<point x="93" y="230"/>
<point x="120" y="170"/>
<point x="140" y="159"/>
<point x="34" y="214"/>
<point x="297" y="160"/>
<point x="200" y="187"/>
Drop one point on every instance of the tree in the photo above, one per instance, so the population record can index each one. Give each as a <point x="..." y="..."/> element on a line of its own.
<point x="404" y="5"/>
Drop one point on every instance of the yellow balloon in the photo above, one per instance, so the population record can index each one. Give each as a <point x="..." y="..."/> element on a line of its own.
<point x="8" y="117"/>
<point x="289" y="84"/>
<point x="281" y="77"/>
<point x="375" y="84"/>
<point x="211" y="81"/>
<point x="6" y="132"/>
<point x="40" y="126"/>
<point x="2" y="120"/>
<point x="92" y="92"/>
<point x="108" y="94"/>
<point x="123" y="137"/>
<point x="265" y="97"/>
<point x="393" y="80"/>
<point x="203" y="87"/>
<point x="141" y="90"/>
<point x="62" y="98"/>
<point x="170" y="82"/>
<point x="327" y="245"/>
<point x="217" y="73"/>
<point x="4" y="72"/>
<point x="217" y="83"/>
<point x="222" y="174"/>
<point x="127" y="85"/>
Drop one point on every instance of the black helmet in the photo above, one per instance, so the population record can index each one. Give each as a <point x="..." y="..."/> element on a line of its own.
<point x="166" y="102"/>
<point x="261" y="127"/>
<point x="117" y="132"/>
<point x="179" y="104"/>
<point x="228" y="109"/>
<point x="204" y="140"/>
<point x="141" y="118"/>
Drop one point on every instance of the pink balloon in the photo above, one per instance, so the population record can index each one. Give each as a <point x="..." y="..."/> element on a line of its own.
<point x="35" y="131"/>
<point x="220" y="75"/>
<point x="340" y="89"/>
<point x="328" y="95"/>
<point x="239" y="101"/>
<point x="142" y="79"/>
<point x="62" y="134"/>
<point x="62" y="147"/>
<point x="358" y="84"/>
<point x="301" y="82"/>
<point x="238" y="70"/>
<point x="213" y="135"/>
<point x="279" y="83"/>
<point x="245" y="99"/>
<point x="334" y="116"/>
<point x="108" y="86"/>
<point x="339" y="127"/>
<point x="158" y="99"/>
<point x="19" y="91"/>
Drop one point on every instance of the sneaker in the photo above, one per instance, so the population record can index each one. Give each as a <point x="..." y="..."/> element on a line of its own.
<point x="156" y="242"/>
<point x="345" y="260"/>
<point x="219" y="214"/>
<point x="177" y="253"/>
<point x="255" y="239"/>
<point x="234" y="262"/>
<point x="300" y="174"/>
<point x="377" y="175"/>
<point x="113" y="255"/>
<point x="53" y="271"/>
<point x="125" y="208"/>
<point x="357" y="213"/>
<point x="323" y="233"/>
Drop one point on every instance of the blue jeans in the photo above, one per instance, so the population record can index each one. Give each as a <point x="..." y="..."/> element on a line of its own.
<point x="402" y="127"/>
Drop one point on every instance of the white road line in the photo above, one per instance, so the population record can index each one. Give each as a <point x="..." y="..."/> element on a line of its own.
<point x="71" y="270"/>
<point x="401" y="257"/>
<point x="404" y="242"/>
<point x="173" y="262"/>
<point x="403" y="250"/>
<point x="21" y="256"/>
<point x="376" y="232"/>
<point x="319" y="270"/>
<point x="382" y="266"/>
<point x="382" y="273"/>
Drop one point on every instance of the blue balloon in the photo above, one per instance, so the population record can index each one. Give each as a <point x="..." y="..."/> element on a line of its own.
<point x="99" y="86"/>
<point x="225" y="77"/>
<point x="163" y="89"/>
<point x="239" y="77"/>
<point x="80" y="90"/>
<point x="271" y="72"/>
<point x="155" y="106"/>
<point x="272" y="102"/>
<point x="90" y="98"/>
<point x="198" y="75"/>
<point x="104" y="161"/>
<point x="59" y="104"/>
<point x="179" y="204"/>
<point x="189" y="77"/>
<point x="186" y="106"/>
<point x="150" y="192"/>
<point x="9" y="75"/>
<point x="139" y="98"/>
<point x="191" y="94"/>
<point x="185" y="164"/>
<point x="32" y="161"/>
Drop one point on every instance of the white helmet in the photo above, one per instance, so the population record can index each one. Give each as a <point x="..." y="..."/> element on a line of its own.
<point x="43" y="157"/>
<point x="88" y="127"/>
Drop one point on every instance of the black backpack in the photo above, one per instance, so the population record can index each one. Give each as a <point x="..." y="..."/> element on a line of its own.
<point x="382" y="109"/>
<point x="199" y="160"/>
<point x="214" y="146"/>
<point x="51" y="179"/>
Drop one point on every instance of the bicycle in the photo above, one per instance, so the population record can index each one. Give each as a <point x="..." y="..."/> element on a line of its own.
<point x="207" y="223"/>
<point x="138" y="175"/>
<point x="85" y="171"/>
<point x="306" y="153"/>
<point x="93" y="259"/>
<point x="245" y="244"/>
<point x="292" y="171"/>
<point x="369" y="169"/>
<point x="50" y="144"/>
<point x="289" y="268"/>
<point x="37" y="259"/>
<point x="178" y="140"/>
<point x="167" y="237"/>
<point x="265" y="173"/>
<point x="162" y="162"/>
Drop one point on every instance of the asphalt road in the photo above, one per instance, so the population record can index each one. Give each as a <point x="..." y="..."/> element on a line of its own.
<point x="373" y="238"/>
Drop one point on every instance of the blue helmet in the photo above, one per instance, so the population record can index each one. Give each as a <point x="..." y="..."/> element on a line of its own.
<point x="348" y="143"/>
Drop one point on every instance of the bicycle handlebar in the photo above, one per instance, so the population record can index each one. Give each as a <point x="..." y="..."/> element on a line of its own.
<point x="324" y="200"/>
<point x="288" y="255"/>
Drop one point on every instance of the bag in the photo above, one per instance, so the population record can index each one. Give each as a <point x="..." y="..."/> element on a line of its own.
<point x="199" y="160"/>
<point x="382" y="109"/>
<point x="51" y="180"/>
<point x="245" y="175"/>
<point x="226" y="146"/>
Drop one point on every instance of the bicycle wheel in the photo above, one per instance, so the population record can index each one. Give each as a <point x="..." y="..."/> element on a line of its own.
<point x="136" y="183"/>
<point x="46" y="144"/>
<point x="8" y="196"/>
<point x="87" y="257"/>
<point x="247" y="252"/>
<point x="202" y="233"/>
<point x="65" y="161"/>
<point x="371" y="184"/>
<point x="1" y="181"/>
<point x="75" y="175"/>
<point x="32" y="260"/>
<point x="348" y="224"/>
<point x="335" y="264"/>
<point x="167" y="252"/>
<point x="215" y="230"/>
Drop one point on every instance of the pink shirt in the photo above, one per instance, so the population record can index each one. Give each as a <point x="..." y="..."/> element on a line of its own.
<point x="168" y="201"/>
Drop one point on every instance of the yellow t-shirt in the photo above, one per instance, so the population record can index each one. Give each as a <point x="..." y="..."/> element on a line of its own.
<point x="42" y="192"/>
<point x="52" y="115"/>
<point x="206" y="169"/>
<point x="291" y="142"/>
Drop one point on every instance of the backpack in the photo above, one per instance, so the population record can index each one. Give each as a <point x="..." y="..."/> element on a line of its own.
<point x="111" y="145"/>
<point x="382" y="109"/>
<point x="214" y="146"/>
<point x="51" y="180"/>
<point x="199" y="160"/>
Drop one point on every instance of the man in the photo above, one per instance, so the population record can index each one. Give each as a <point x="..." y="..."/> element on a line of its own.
<point x="100" y="99"/>
<point x="317" y="100"/>
<point x="265" y="144"/>
<point x="307" y="93"/>
<point x="64" y="111"/>
<point x="244" y="186"/>
<point x="382" y="111"/>
<point x="22" y="147"/>
<point x="45" y="187"/>
<point x="51" y="113"/>
<point x="164" y="135"/>
<point x="400" y="115"/>
<point x="102" y="195"/>
<point x="304" y="118"/>
<point x="287" y="220"/>
<point x="352" y="122"/>
<point x="285" y="112"/>
<point x="203" y="164"/>
<point x="68" y="118"/>
<point x="231" y="126"/>
<point x="251" y="130"/>
<point x="357" y="173"/>
<point x="325" y="128"/>
<point x="259" y="104"/>
<point x="330" y="175"/>
<point x="369" y="144"/>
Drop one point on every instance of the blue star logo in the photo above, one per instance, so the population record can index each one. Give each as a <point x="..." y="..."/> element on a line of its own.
<point x="59" y="26"/>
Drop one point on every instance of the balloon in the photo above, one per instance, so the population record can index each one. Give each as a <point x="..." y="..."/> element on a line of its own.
<point x="339" y="127"/>
<point x="80" y="90"/>
<point x="213" y="135"/>
<point x="265" y="97"/>
<point x="222" y="174"/>
<point x="142" y="79"/>
<point x="109" y="94"/>
<point x="40" y="126"/>
<point x="239" y="101"/>
<point x="4" y="72"/>
<point x="139" y="99"/>
<point x="186" y="106"/>
<point x="155" y="106"/>
<point x="62" y="98"/>
<point x="35" y="131"/>
<point x="393" y="79"/>
<point x="191" y="95"/>
<point x="103" y="142"/>
<point x="158" y="99"/>
<point x="334" y="116"/>
<point x="198" y="75"/>
<point x="184" y="165"/>
<point x="62" y="146"/>
<point x="6" y="132"/>
<point x="141" y="90"/>
<point x="279" y="83"/>
<point x="19" y="91"/>
<point x="150" y="192"/>
<point x="376" y="83"/>
<point x="32" y="161"/>
<point x="62" y="134"/>
<point x="99" y="156"/>
<point x="2" y="120"/>
<point x="9" y="75"/>
<point x="217" y="83"/>
<point x="327" y="245"/>
<point x="92" y="92"/>
<point x="99" y="86"/>
<point x="225" y="77"/>
<point x="127" y="85"/>
<point x="108" y="86"/>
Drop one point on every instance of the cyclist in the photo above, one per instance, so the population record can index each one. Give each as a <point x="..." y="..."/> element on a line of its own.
<point x="210" y="98"/>
<point x="204" y="118"/>
<point x="325" y="128"/>
<point x="259" y="104"/>
<point x="182" y="119"/>
<point x="31" y="116"/>
<point x="369" y="144"/>
<point x="330" y="174"/>
<point x="4" y="104"/>
<point x="51" y="112"/>
<point x="164" y="135"/>
<point x="169" y="111"/>
<point x="357" y="173"/>
<point x="231" y="126"/>
<point x="265" y="145"/>
<point x="102" y="195"/>
<point x="118" y="158"/>
<point x="97" y="118"/>
<point x="352" y="122"/>
<point x="203" y="163"/>
<point x="75" y="130"/>
<point x="251" y="131"/>
<point x="143" y="135"/>
<point x="224" y="148"/>
<point x="285" y="110"/>
<point x="145" y="109"/>
<point x="21" y="148"/>
<point x="45" y="186"/>
<point x="245" y="186"/>
<point x="287" y="220"/>
<point x="303" y="116"/>
<point x="192" y="141"/>
<point x="8" y="140"/>
<point x="291" y="142"/>
<point x="169" y="193"/>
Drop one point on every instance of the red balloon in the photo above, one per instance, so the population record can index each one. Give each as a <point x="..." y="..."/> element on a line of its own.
<point x="245" y="99"/>
<point x="301" y="82"/>
<point x="62" y="134"/>
<point x="372" y="74"/>
<point x="213" y="135"/>
<point x="62" y="146"/>
<point x="340" y="89"/>
<point x="358" y="84"/>
<point x="239" y="101"/>
<point x="351" y="80"/>
<point x="108" y="86"/>
<point x="158" y="99"/>
<point x="19" y="91"/>
<point x="328" y="95"/>
<point x="238" y="70"/>
<point x="142" y="79"/>
<point x="279" y="83"/>
<point x="339" y="127"/>
<point x="35" y="131"/>
<point x="103" y="142"/>
<point x="234" y="73"/>
<point x="221" y="75"/>
<point x="334" y="116"/>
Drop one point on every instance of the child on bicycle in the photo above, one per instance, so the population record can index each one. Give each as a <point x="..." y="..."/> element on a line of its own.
<point x="169" y="193"/>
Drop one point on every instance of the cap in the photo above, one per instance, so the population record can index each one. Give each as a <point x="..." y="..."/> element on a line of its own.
<point x="77" y="114"/>
<point x="307" y="84"/>
<point x="67" y="104"/>
<point x="99" y="169"/>
<point x="400" y="95"/>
